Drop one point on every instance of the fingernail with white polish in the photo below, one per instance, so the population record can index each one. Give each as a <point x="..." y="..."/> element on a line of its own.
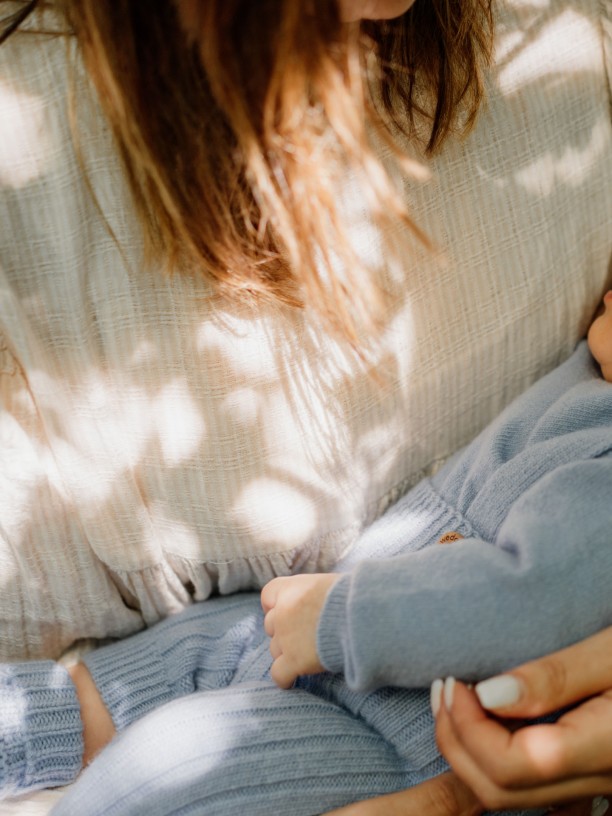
<point x="498" y="692"/>
<point x="600" y="806"/>
<point x="449" y="692"/>
<point x="435" y="695"/>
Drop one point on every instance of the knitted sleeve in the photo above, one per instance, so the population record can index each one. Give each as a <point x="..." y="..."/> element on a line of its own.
<point x="472" y="608"/>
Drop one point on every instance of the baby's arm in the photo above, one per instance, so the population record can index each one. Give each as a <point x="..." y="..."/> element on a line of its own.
<point x="469" y="609"/>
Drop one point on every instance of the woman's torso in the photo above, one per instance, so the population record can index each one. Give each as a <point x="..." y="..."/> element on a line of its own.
<point x="157" y="447"/>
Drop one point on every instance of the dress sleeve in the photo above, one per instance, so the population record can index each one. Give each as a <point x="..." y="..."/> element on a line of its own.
<point x="475" y="608"/>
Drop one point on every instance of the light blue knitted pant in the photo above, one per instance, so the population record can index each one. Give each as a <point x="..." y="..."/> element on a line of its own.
<point x="248" y="748"/>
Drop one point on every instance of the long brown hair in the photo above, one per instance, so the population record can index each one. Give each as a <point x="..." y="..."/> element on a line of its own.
<point x="235" y="141"/>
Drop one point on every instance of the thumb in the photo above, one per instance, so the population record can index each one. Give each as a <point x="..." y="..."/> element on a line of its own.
<point x="551" y="682"/>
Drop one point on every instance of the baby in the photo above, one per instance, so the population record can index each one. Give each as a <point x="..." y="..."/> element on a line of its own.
<point x="504" y="555"/>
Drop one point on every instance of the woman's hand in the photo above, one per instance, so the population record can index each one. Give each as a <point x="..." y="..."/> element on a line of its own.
<point x="536" y="765"/>
<point x="293" y="607"/>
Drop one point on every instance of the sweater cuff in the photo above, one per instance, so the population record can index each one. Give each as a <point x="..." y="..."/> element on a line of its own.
<point x="41" y="732"/>
<point x="131" y="678"/>
<point x="331" y="631"/>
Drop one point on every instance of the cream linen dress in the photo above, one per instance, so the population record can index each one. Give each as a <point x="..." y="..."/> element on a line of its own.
<point x="155" y="448"/>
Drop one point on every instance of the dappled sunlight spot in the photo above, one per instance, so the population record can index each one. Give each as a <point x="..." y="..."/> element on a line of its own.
<point x="506" y="42"/>
<point x="143" y="353"/>
<point x="403" y="326"/>
<point x="529" y="4"/>
<point x="275" y="513"/>
<point x="540" y="176"/>
<point x="179" y="423"/>
<point x="242" y="406"/>
<point x="90" y="461"/>
<point x="401" y="533"/>
<point x="409" y="525"/>
<point x="9" y="568"/>
<point x="377" y="451"/>
<point x="110" y="426"/>
<point x="15" y="715"/>
<point x="90" y="485"/>
<point x="21" y="471"/>
<point x="24" y="137"/>
<point x="206" y="736"/>
<point x="554" y="46"/>
<point x="119" y="412"/>
<point x="243" y="344"/>
<point x="364" y="236"/>
<point x="495" y="183"/>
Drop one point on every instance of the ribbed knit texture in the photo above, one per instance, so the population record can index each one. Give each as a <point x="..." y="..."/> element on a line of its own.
<point x="330" y="638"/>
<point x="41" y="740"/>
<point x="251" y="749"/>
<point x="198" y="649"/>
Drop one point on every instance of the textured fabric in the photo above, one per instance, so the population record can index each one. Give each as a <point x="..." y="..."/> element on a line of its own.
<point x="533" y="568"/>
<point x="198" y="649"/>
<point x="41" y="739"/>
<point x="248" y="747"/>
<point x="539" y="579"/>
<point x="156" y="448"/>
<point x="535" y="486"/>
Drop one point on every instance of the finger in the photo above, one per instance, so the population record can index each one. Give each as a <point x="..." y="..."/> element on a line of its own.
<point x="282" y="674"/>
<point x="275" y="649"/>
<point x="444" y="795"/>
<point x="578" y="744"/>
<point x="500" y="789"/>
<point x="269" y="594"/>
<point x="552" y="682"/>
<point x="459" y="758"/>
<point x="529" y="757"/>
<point x="269" y="623"/>
<point x="495" y="797"/>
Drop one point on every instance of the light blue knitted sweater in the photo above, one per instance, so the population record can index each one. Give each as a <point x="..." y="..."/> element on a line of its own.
<point x="531" y="497"/>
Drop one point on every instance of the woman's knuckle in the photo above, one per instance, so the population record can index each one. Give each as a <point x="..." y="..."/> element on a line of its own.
<point x="492" y="797"/>
<point x="446" y="798"/>
<point x="551" y="759"/>
<point x="503" y="775"/>
<point x="553" y="679"/>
